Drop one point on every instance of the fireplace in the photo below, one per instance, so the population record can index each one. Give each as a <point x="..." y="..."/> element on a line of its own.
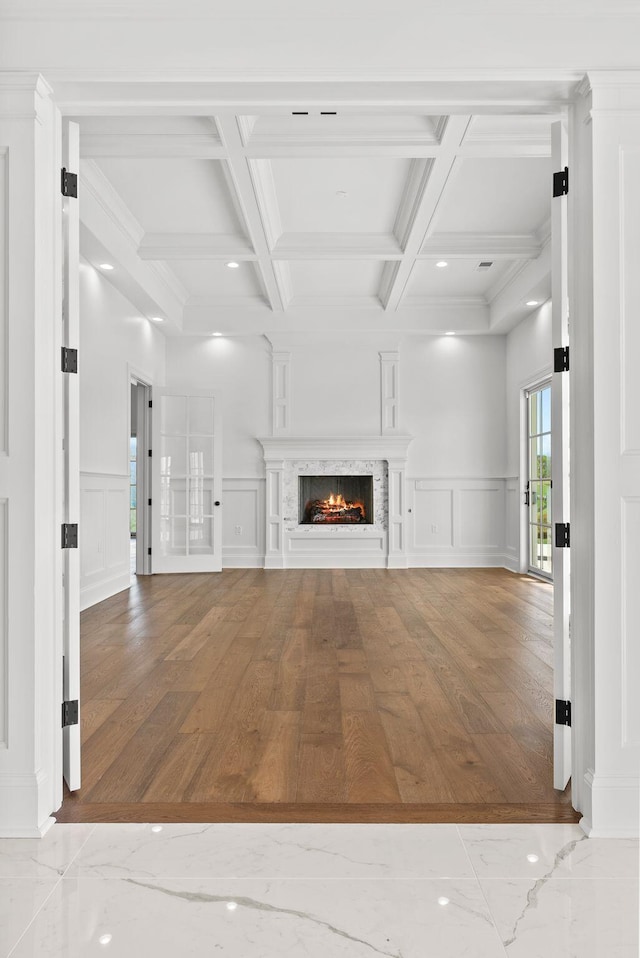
<point x="335" y="500"/>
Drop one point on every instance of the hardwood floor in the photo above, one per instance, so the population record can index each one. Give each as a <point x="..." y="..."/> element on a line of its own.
<point x="328" y="695"/>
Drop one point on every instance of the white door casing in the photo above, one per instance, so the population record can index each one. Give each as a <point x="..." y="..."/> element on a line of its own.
<point x="186" y="481"/>
<point x="71" y="457"/>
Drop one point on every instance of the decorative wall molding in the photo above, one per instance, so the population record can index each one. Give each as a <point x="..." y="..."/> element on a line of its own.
<point x="389" y="392"/>
<point x="281" y="393"/>
<point x="243" y="523"/>
<point x="336" y="447"/>
<point x="104" y="537"/>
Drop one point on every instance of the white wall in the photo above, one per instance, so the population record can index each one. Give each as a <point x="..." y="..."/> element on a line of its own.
<point x="113" y="336"/>
<point x="452" y="400"/>
<point x="529" y="358"/>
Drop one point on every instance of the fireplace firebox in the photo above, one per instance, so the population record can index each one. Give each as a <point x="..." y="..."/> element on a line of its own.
<point x="335" y="500"/>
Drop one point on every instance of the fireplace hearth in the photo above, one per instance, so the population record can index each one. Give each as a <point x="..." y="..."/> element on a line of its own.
<point x="335" y="500"/>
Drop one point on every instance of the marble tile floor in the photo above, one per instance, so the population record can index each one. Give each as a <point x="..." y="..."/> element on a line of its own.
<point x="318" y="891"/>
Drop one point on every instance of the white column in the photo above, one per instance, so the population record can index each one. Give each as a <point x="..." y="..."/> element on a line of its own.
<point x="604" y="201"/>
<point x="389" y="390"/>
<point x="397" y="558"/>
<point x="274" y="546"/>
<point x="30" y="563"/>
<point x="281" y="393"/>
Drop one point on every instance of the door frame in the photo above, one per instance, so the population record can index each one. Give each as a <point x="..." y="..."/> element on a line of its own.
<point x="143" y="475"/>
<point x="526" y="550"/>
<point x="538" y="379"/>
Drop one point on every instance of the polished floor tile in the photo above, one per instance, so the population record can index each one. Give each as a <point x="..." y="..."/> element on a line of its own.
<point x="20" y="901"/>
<point x="310" y="918"/>
<point x="273" y="851"/>
<point x="318" y="891"/>
<point x="558" y="851"/>
<point x="565" y="918"/>
<point x="42" y="857"/>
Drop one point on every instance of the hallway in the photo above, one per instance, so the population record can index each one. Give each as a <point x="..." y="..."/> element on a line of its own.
<point x="335" y="695"/>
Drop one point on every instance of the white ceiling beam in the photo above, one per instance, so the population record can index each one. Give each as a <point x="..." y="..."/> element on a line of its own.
<point x="429" y="193"/>
<point x="481" y="246"/>
<point x="196" y="246"/>
<point x="328" y="246"/>
<point x="533" y="282"/>
<point x="241" y="179"/>
<point x="150" y="145"/>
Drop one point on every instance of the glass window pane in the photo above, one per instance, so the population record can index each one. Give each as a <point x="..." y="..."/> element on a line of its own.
<point x="173" y="415"/>
<point x="200" y="456"/>
<point x="534" y="538"/>
<point x="173" y="537"/>
<point x="133" y="442"/>
<point x="200" y="497"/>
<point x="535" y="494"/>
<point x="201" y="537"/>
<point x="201" y="416"/>
<point x="545" y="503"/>
<point x="545" y="456"/>
<point x="545" y="394"/>
<point x="173" y="456"/>
<point x="533" y="459"/>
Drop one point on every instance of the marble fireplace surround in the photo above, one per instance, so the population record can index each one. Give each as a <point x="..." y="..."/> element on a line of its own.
<point x="291" y="545"/>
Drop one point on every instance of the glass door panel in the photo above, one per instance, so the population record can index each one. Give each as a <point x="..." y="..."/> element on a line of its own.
<point x="539" y="481"/>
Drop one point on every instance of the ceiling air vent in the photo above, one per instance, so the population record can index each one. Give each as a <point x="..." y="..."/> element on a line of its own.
<point x="484" y="265"/>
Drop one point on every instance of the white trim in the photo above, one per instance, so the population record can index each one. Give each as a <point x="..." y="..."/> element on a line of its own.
<point x="336" y="447"/>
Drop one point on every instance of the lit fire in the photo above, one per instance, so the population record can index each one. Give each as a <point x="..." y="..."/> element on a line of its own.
<point x="335" y="508"/>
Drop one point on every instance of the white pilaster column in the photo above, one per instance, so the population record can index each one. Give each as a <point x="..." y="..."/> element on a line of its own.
<point x="281" y="393"/>
<point x="397" y="514"/>
<point x="274" y="547"/>
<point x="389" y="392"/>
<point x="604" y="201"/>
<point x="30" y="509"/>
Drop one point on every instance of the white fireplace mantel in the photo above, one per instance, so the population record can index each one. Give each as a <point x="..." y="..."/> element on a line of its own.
<point x="373" y="546"/>
<point x="336" y="447"/>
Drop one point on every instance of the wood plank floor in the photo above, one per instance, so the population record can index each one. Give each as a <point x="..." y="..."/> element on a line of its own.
<point x="328" y="695"/>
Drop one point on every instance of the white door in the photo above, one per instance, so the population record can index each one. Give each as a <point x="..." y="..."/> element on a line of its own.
<point x="560" y="459"/>
<point x="71" y="467"/>
<point x="186" y="481"/>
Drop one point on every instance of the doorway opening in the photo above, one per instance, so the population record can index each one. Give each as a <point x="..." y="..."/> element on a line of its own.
<point x="139" y="478"/>
<point x="539" y="481"/>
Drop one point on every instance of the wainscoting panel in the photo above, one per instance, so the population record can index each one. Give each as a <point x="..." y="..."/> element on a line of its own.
<point x="512" y="524"/>
<point x="457" y="522"/>
<point x="104" y="536"/>
<point x="243" y="523"/>
<point x="4" y="572"/>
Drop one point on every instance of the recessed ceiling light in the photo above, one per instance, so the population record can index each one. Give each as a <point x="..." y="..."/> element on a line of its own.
<point x="450" y="332"/>
<point x="216" y="334"/>
<point x="442" y="900"/>
<point x="233" y="265"/>
<point x="104" y="939"/>
<point x="441" y="264"/>
<point x="157" y="319"/>
<point x="532" y="302"/>
<point x="106" y="266"/>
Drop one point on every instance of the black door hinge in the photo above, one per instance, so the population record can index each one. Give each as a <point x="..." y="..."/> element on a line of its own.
<point x="561" y="359"/>
<point x="149" y="551"/>
<point x="68" y="183"/>
<point x="151" y="404"/>
<point x="150" y="452"/>
<point x="69" y="535"/>
<point x="69" y="361"/>
<point x="148" y="502"/>
<point x="563" y="712"/>
<point x="561" y="182"/>
<point x="70" y="713"/>
<point x="563" y="536"/>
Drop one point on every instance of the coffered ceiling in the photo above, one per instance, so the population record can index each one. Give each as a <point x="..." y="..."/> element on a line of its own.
<point x="377" y="219"/>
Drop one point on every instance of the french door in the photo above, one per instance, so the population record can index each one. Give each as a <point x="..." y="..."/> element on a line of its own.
<point x="539" y="480"/>
<point x="186" y="481"/>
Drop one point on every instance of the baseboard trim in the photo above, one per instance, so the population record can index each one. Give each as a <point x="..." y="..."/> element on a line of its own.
<point x="99" y="591"/>
<point x="611" y="806"/>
